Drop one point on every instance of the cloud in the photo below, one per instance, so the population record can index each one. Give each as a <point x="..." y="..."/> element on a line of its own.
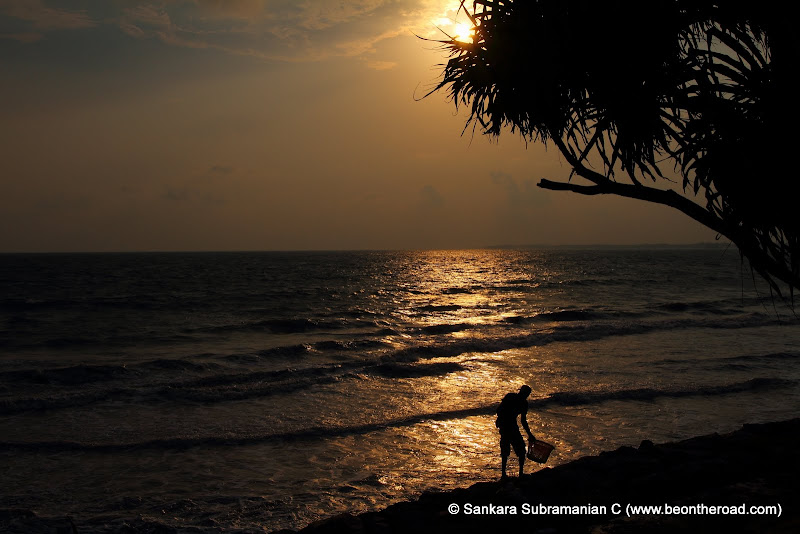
<point x="176" y="194"/>
<point x="381" y="65"/>
<point x="205" y="187"/>
<point x="322" y="14"/>
<point x="286" y="30"/>
<point x="193" y="195"/>
<point x="44" y="18"/>
<point x="33" y="19"/>
<point x="526" y="196"/>
<point x="232" y="9"/>
<point x="149" y="15"/>
<point x="222" y="170"/>
<point x="357" y="47"/>
<point x="23" y="37"/>
<point x="430" y="197"/>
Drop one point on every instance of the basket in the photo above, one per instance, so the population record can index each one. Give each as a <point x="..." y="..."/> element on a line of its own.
<point x="539" y="451"/>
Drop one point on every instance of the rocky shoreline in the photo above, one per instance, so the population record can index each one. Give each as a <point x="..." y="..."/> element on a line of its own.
<point x="710" y="483"/>
<point x="745" y="481"/>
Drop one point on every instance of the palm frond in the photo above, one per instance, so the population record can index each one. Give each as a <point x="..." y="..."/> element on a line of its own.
<point x="630" y="84"/>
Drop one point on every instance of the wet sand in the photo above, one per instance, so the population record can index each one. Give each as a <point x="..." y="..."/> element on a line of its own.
<point x="707" y="481"/>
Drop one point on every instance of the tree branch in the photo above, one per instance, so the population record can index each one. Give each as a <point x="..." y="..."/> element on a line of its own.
<point x="667" y="197"/>
<point x="544" y="183"/>
<point x="605" y="185"/>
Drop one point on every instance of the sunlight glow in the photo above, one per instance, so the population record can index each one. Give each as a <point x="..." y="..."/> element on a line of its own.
<point x="463" y="32"/>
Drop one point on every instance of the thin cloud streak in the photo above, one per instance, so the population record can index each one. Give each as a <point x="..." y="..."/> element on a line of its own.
<point x="279" y="30"/>
<point x="36" y="19"/>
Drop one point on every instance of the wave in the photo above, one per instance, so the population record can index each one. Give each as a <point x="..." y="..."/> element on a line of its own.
<point x="164" y="379"/>
<point x="723" y="306"/>
<point x="277" y="376"/>
<point x="569" y="315"/>
<point x="573" y="398"/>
<point x="710" y="314"/>
<point x="15" y="406"/>
<point x="701" y="307"/>
<point x="39" y="334"/>
<point x="573" y="331"/>
<point x="767" y="357"/>
<point x="226" y="388"/>
<point x="130" y="302"/>
<point x="169" y="393"/>
<point x="211" y="389"/>
<point x="460" y="290"/>
<point x="177" y="365"/>
<point x="230" y="387"/>
<point x="566" y="316"/>
<point x="219" y="441"/>
<point x="93" y="339"/>
<point x="400" y="370"/>
<point x="296" y="325"/>
<point x="439" y="308"/>
<point x="305" y="349"/>
<point x="590" y="282"/>
<point x="685" y="306"/>
<point x="75" y="375"/>
<point x="348" y="346"/>
<point x="443" y="328"/>
<point x="762" y="361"/>
<point x="299" y="349"/>
<point x="745" y="360"/>
<point x="649" y="394"/>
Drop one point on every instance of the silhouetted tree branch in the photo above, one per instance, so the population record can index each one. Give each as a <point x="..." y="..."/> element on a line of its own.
<point x="634" y="87"/>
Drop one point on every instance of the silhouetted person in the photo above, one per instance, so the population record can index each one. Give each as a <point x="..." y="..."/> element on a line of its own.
<point x="513" y="405"/>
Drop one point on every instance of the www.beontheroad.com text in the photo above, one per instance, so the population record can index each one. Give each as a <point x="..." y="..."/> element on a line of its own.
<point x="618" y="509"/>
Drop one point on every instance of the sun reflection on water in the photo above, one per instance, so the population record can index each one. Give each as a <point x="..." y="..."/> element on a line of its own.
<point x="465" y="286"/>
<point x="430" y="407"/>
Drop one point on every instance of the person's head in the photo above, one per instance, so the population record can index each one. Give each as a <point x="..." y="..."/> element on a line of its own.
<point x="524" y="391"/>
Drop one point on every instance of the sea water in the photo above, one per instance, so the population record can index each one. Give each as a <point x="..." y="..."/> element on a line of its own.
<point x="259" y="391"/>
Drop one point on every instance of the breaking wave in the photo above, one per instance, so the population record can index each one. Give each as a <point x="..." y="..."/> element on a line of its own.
<point x="568" y="398"/>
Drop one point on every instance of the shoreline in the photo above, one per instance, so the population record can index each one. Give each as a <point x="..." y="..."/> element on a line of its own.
<point x="755" y="466"/>
<point x="707" y="482"/>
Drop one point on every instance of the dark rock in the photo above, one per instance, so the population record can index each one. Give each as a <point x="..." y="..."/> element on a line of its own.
<point x="757" y="465"/>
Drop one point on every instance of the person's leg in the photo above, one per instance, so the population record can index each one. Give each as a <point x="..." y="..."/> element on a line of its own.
<point x="519" y="449"/>
<point x="505" y="450"/>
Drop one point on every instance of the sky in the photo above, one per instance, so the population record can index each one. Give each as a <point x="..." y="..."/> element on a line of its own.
<point x="142" y="125"/>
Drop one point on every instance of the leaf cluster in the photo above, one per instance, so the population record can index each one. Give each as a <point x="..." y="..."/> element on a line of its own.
<point x="636" y="87"/>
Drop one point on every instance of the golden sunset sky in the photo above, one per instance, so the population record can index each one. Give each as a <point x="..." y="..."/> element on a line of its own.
<point x="133" y="125"/>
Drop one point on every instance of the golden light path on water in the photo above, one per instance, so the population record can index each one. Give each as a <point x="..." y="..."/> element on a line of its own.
<point x="461" y="291"/>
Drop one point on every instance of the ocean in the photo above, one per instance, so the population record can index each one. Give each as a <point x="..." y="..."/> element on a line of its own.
<point x="258" y="391"/>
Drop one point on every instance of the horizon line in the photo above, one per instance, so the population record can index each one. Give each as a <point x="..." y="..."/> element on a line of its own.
<point x="701" y="244"/>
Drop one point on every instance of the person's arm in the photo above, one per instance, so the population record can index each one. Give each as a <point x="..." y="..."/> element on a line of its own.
<point x="524" y="419"/>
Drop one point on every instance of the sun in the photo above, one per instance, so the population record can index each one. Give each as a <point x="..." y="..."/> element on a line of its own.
<point x="463" y="32"/>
